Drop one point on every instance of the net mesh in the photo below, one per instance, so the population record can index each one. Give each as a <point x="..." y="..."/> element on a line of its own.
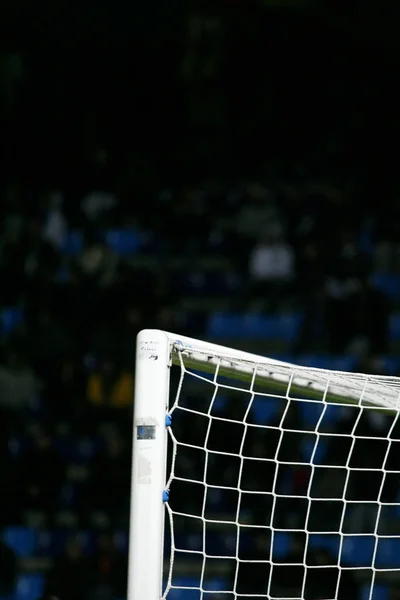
<point x="283" y="482"/>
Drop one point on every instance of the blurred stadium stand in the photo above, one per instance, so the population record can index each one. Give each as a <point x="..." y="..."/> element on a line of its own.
<point x="139" y="188"/>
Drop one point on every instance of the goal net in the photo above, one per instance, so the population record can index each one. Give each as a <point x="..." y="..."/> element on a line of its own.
<point x="254" y="478"/>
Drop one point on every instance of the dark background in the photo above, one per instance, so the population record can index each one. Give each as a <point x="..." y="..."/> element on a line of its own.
<point x="153" y="156"/>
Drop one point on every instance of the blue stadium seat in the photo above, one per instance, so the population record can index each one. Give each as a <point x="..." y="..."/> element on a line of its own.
<point x="10" y="318"/>
<point x="185" y="594"/>
<point x="282" y="327"/>
<point x="330" y="543"/>
<point x="320" y="452"/>
<point x="123" y="241"/>
<point x="73" y="243"/>
<point x="20" y="539"/>
<point x="380" y="592"/>
<point x="30" y="587"/>
<point x="332" y="414"/>
<point x="388" y="553"/>
<point x="224" y="325"/>
<point x="186" y="541"/>
<point x="281" y="545"/>
<point x="310" y="412"/>
<point x="394" y="327"/>
<point x="388" y="283"/>
<point x="357" y="551"/>
<point x="263" y="410"/>
<point x="219" y="404"/>
<point x="195" y="594"/>
<point x="390" y="364"/>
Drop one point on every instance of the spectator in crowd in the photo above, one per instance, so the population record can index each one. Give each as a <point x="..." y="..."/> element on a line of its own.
<point x="284" y="216"/>
<point x="107" y="387"/>
<point x="271" y="269"/>
<point x="55" y="226"/>
<point x="18" y="383"/>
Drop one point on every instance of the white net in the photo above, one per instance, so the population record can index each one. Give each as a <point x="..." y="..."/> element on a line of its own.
<point x="283" y="482"/>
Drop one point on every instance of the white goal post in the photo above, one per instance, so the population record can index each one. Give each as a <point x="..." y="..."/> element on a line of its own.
<point x="261" y="387"/>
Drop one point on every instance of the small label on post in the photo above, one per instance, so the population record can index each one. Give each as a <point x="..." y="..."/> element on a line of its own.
<point x="149" y="350"/>
<point x="146" y="432"/>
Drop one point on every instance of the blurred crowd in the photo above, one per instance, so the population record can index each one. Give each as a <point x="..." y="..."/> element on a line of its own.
<point x="151" y="193"/>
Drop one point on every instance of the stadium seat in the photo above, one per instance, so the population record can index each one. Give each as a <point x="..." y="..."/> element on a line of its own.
<point x="282" y="327"/>
<point x="281" y="545"/>
<point x="390" y="364"/>
<point x="73" y="243"/>
<point x="330" y="543"/>
<point x="388" y="553"/>
<point x="189" y="542"/>
<point x="254" y="326"/>
<point x="192" y="582"/>
<point x="357" y="551"/>
<point x="263" y="410"/>
<point x="332" y="414"/>
<point x="394" y="327"/>
<point x="310" y="412"/>
<point x="219" y="404"/>
<point x="30" y="587"/>
<point x="320" y="451"/>
<point x="10" y="318"/>
<point x="20" y="539"/>
<point x="123" y="241"/>
<point x="380" y="592"/>
<point x="224" y="325"/>
<point x="185" y="594"/>
<point x="388" y="283"/>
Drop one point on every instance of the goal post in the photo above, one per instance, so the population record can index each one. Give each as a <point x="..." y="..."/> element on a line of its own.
<point x="207" y="442"/>
<point x="146" y="534"/>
